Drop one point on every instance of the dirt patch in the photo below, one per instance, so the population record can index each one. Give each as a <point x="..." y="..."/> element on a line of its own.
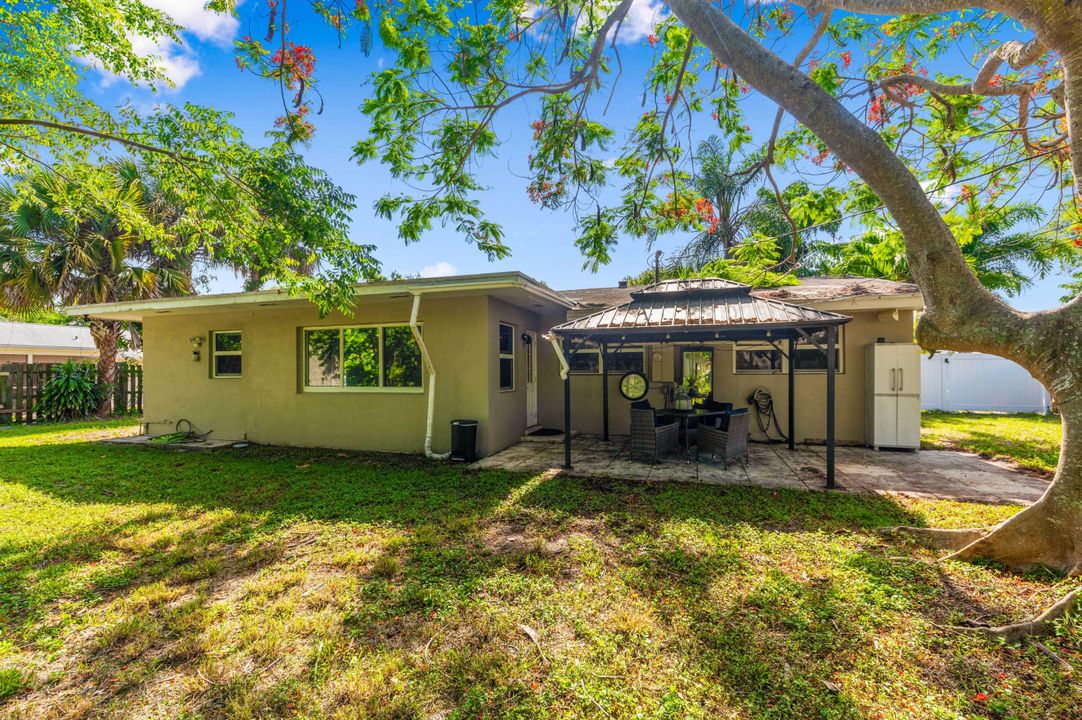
<point x="507" y="539"/>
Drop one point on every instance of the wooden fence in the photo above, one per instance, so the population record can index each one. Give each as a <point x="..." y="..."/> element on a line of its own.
<point x="21" y="383"/>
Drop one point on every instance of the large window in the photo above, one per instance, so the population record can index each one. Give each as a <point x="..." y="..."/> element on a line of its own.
<point x="362" y="358"/>
<point x="507" y="356"/>
<point x="225" y="350"/>
<point x="587" y="361"/>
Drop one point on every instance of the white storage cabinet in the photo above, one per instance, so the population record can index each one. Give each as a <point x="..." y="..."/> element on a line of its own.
<point x="892" y="395"/>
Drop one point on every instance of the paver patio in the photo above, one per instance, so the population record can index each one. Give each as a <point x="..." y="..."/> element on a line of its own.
<point x="940" y="474"/>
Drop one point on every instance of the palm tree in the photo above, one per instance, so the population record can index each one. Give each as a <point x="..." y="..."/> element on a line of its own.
<point x="728" y="188"/>
<point x="55" y="250"/>
<point x="1004" y="261"/>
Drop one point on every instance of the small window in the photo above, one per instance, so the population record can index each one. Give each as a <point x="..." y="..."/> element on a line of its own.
<point x="625" y="361"/>
<point x="750" y="361"/>
<point x="809" y="358"/>
<point x="507" y="357"/>
<point x="226" y="354"/>
<point x="585" y="361"/>
<point x="362" y="358"/>
<point x="588" y="361"/>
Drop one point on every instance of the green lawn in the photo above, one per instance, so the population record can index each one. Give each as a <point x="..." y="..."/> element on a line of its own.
<point x="1029" y="440"/>
<point x="265" y="583"/>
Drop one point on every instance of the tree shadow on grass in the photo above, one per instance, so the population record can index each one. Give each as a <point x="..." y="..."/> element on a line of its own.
<point x="273" y="580"/>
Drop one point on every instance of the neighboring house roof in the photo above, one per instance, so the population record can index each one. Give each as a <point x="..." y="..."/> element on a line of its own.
<point x="810" y="289"/>
<point x="514" y="287"/>
<point x="702" y="305"/>
<point x="41" y="337"/>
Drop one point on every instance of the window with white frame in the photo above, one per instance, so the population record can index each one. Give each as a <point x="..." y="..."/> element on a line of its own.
<point x="225" y="351"/>
<point x="362" y="358"/>
<point x="811" y="359"/>
<point x="587" y="361"/>
<point x="507" y="356"/>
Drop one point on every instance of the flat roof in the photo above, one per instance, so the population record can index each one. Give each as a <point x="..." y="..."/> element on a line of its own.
<point x="44" y="336"/>
<point x="460" y="284"/>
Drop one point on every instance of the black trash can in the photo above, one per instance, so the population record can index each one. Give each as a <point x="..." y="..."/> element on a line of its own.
<point x="464" y="440"/>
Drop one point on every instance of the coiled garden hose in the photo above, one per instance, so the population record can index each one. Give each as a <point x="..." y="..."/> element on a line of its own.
<point x="763" y="402"/>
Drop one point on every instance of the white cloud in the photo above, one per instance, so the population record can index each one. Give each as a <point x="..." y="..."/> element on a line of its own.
<point x="642" y="18"/>
<point x="179" y="61"/>
<point x="439" y="269"/>
<point x="943" y="197"/>
<point x="204" y="24"/>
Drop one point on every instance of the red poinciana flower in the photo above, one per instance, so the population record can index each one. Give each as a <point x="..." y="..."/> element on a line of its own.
<point x="295" y="62"/>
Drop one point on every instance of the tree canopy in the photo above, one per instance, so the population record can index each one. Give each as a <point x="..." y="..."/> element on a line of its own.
<point x="435" y="113"/>
<point x="261" y="207"/>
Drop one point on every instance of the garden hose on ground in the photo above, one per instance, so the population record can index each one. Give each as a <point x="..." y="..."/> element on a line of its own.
<point x="189" y="435"/>
<point x="763" y="402"/>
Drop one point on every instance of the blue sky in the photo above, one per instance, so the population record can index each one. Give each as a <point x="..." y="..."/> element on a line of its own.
<point x="542" y="242"/>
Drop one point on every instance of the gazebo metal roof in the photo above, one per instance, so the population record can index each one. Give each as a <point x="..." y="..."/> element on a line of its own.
<point x="699" y="309"/>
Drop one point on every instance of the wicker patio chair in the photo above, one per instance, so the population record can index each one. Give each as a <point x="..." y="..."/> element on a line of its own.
<point x="728" y="444"/>
<point x="649" y="438"/>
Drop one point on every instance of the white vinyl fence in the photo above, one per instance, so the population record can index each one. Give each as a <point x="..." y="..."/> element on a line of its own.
<point x="975" y="381"/>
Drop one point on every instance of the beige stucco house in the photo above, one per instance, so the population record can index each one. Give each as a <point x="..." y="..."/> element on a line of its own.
<point x="264" y="366"/>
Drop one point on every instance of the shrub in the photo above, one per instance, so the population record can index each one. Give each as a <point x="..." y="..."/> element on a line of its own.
<point x="71" y="392"/>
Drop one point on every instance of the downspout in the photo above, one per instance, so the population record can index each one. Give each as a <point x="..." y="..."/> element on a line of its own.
<point x="564" y="369"/>
<point x="427" y="360"/>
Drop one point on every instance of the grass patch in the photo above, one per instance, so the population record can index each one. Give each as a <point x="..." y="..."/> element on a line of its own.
<point x="264" y="582"/>
<point x="1028" y="440"/>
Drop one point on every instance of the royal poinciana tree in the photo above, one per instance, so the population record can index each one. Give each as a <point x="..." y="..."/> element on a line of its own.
<point x="893" y="101"/>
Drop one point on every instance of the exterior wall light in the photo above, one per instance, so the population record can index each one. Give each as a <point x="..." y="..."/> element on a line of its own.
<point x="197" y="342"/>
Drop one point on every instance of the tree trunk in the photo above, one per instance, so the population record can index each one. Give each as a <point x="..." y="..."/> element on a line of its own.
<point x="106" y="334"/>
<point x="1048" y="533"/>
<point x="961" y="313"/>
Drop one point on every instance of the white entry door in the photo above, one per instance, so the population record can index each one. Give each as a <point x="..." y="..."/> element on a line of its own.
<point x="531" y="380"/>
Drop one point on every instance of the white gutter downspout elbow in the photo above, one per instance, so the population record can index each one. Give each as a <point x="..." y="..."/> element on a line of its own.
<point x="427" y="360"/>
<point x="564" y="369"/>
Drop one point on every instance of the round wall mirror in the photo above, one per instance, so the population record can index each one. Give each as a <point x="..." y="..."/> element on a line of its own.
<point x="633" y="386"/>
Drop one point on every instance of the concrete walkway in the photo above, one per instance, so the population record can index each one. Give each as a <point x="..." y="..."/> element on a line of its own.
<point x="938" y="474"/>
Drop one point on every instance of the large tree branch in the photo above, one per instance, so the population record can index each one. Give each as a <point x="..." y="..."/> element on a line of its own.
<point x="88" y="132"/>
<point x="957" y="302"/>
<point x="1072" y="102"/>
<point x="1016" y="54"/>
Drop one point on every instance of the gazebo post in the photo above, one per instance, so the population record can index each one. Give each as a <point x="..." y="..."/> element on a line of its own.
<point x="832" y="343"/>
<point x="567" y="410"/>
<point x="604" y="392"/>
<point x="792" y="384"/>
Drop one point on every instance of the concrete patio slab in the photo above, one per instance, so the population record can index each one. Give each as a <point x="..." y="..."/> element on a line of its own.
<point x="939" y="474"/>
<point x="145" y="441"/>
